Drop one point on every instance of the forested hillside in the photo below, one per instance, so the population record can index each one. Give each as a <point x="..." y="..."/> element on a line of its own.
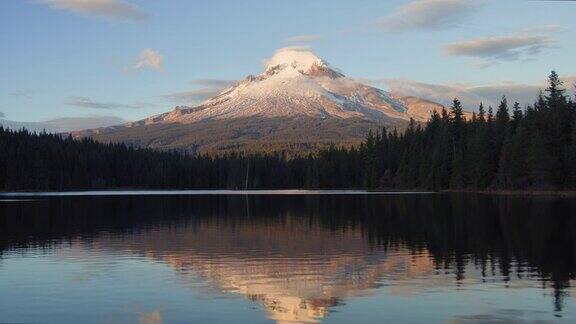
<point x="509" y="148"/>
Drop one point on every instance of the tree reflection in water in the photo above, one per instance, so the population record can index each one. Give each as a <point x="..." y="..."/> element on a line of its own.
<point x="300" y="256"/>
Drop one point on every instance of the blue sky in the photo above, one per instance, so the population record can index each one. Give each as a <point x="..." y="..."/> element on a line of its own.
<point x="135" y="58"/>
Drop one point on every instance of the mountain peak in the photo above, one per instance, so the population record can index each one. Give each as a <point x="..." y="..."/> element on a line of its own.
<point x="299" y="59"/>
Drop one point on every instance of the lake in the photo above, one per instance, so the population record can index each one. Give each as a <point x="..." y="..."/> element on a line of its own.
<point x="286" y="257"/>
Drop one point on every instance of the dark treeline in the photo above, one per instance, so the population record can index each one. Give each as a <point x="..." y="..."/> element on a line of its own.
<point x="509" y="148"/>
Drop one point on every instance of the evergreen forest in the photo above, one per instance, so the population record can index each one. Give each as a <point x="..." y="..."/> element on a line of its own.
<point x="505" y="147"/>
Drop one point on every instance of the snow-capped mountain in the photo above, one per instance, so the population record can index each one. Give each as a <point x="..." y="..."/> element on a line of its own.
<point x="295" y="83"/>
<point x="297" y="91"/>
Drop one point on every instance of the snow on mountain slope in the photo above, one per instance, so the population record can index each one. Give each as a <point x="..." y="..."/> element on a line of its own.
<point x="294" y="83"/>
<point x="299" y="103"/>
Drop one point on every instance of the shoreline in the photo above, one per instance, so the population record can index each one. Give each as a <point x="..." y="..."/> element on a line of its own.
<point x="136" y="191"/>
<point x="209" y="192"/>
<point x="555" y="193"/>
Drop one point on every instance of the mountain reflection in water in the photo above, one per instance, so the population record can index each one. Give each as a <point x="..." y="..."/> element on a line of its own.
<point x="301" y="257"/>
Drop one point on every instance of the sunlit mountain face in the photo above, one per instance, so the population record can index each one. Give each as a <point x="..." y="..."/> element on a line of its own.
<point x="298" y="101"/>
<point x="307" y="259"/>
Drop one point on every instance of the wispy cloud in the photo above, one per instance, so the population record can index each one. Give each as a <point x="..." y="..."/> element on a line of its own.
<point x="209" y="88"/>
<point x="427" y="15"/>
<point x="303" y="38"/>
<point x="22" y="94"/>
<point x="440" y="93"/>
<point x="469" y="95"/>
<point x="215" y="83"/>
<point x="193" y="96"/>
<point x="298" y="48"/>
<point x="86" y="102"/>
<point x="149" y="58"/>
<point x="2" y="115"/>
<point x="110" y="9"/>
<point x="65" y="124"/>
<point x="523" y="44"/>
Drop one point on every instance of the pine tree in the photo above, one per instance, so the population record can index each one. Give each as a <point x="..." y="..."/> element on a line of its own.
<point x="458" y="140"/>
<point x="540" y="164"/>
<point x="557" y="126"/>
<point x="481" y="113"/>
<point x="516" y="116"/>
<point x="540" y="103"/>
<point x="556" y="94"/>
<point x="571" y="160"/>
<point x="502" y="115"/>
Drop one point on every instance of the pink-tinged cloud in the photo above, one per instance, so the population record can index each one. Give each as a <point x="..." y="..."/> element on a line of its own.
<point x="149" y="58"/>
<point x="110" y="9"/>
<point x="427" y="15"/>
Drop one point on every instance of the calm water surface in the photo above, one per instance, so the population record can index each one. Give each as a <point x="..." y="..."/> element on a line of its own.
<point x="291" y="257"/>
